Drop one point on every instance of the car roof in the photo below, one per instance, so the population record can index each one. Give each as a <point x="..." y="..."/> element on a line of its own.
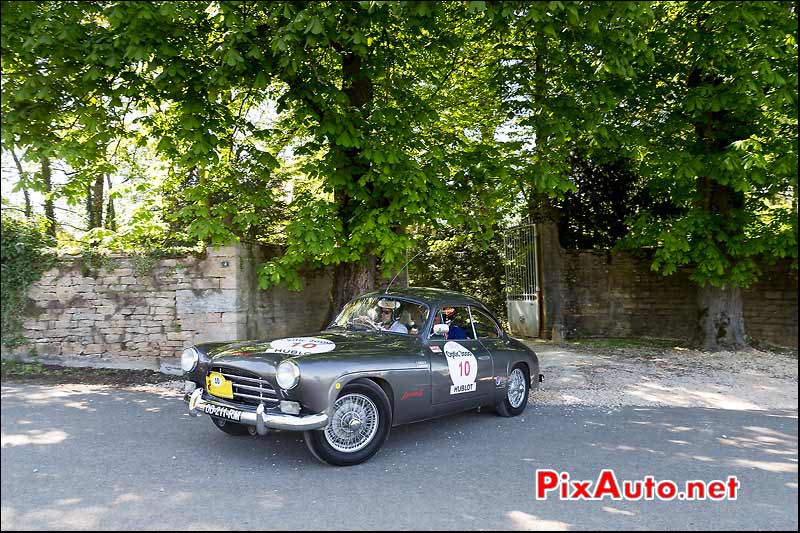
<point x="430" y="296"/>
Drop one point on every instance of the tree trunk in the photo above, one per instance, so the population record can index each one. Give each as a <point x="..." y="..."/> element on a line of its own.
<point x="96" y="219"/>
<point x="98" y="197"/>
<point x="47" y="185"/>
<point x="88" y="207"/>
<point x="721" y="326"/>
<point x="111" y="215"/>
<point x="350" y="280"/>
<point x="28" y="207"/>
<point x="23" y="179"/>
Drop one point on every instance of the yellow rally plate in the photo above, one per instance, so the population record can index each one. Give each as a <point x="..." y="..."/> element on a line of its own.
<point x="217" y="385"/>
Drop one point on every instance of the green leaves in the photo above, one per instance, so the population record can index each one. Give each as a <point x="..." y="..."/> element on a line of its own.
<point x="337" y="129"/>
<point x="314" y="26"/>
<point x="25" y="253"/>
<point x="715" y="137"/>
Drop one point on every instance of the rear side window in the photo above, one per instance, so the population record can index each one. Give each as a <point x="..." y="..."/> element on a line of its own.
<point x="485" y="327"/>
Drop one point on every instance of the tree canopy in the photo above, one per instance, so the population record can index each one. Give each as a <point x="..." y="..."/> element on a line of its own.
<point x="349" y="131"/>
<point x="718" y="134"/>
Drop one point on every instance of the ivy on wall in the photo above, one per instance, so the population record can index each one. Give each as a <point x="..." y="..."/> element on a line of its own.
<point x="26" y="253"/>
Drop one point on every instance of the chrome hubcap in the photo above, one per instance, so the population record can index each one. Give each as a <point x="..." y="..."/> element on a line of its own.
<point x="354" y="423"/>
<point x="516" y="388"/>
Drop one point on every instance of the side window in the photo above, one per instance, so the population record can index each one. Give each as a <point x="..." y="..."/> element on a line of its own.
<point x="485" y="327"/>
<point x="457" y="318"/>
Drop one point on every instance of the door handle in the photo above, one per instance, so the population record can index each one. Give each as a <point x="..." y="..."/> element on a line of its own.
<point x="483" y="357"/>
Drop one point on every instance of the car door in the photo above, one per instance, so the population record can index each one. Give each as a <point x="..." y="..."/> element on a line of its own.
<point x="461" y="367"/>
<point x="490" y="335"/>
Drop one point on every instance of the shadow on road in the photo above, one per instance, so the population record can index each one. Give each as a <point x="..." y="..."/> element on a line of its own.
<point x="77" y="457"/>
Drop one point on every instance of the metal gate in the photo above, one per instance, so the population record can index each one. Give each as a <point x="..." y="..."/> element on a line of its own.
<point x="522" y="280"/>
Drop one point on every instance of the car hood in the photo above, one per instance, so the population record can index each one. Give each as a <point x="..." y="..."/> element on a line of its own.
<point x="316" y="346"/>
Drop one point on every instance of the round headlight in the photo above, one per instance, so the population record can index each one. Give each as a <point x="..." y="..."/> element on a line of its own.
<point x="288" y="375"/>
<point x="189" y="359"/>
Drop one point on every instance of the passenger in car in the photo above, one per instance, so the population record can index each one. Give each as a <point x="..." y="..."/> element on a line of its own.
<point x="447" y="316"/>
<point x="451" y="319"/>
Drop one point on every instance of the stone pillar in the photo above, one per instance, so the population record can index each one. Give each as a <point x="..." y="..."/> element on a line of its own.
<point x="550" y="260"/>
<point x="215" y="304"/>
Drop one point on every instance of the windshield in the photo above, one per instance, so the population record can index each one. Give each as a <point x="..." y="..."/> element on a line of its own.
<point x="382" y="314"/>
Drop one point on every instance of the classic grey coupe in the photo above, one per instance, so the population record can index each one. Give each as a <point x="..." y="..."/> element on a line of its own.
<point x="389" y="358"/>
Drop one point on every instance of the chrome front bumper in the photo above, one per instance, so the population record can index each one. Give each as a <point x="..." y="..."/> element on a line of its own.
<point x="260" y="418"/>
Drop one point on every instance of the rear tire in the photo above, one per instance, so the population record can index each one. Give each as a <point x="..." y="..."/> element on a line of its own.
<point x="359" y="425"/>
<point x="516" y="392"/>
<point x="231" y="428"/>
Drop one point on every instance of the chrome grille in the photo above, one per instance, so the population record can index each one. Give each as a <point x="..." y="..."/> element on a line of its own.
<point x="248" y="387"/>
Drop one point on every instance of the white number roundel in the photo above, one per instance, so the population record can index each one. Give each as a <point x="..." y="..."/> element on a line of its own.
<point x="463" y="367"/>
<point x="301" y="346"/>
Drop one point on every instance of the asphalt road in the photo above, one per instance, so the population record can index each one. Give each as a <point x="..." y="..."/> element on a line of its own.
<point x="80" y="458"/>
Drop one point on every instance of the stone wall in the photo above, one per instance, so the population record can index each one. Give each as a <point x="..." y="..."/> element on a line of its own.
<point x="127" y="310"/>
<point x="770" y="306"/>
<point x="614" y="294"/>
<point x="279" y="312"/>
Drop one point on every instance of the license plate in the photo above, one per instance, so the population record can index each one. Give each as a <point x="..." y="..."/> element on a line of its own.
<point x="217" y="385"/>
<point x="223" y="412"/>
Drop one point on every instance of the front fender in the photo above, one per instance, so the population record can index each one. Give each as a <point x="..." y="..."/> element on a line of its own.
<point x="398" y="381"/>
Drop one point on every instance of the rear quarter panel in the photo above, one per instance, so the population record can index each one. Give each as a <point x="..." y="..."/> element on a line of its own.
<point x="507" y="353"/>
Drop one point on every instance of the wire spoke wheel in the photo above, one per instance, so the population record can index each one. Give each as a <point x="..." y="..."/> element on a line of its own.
<point x="354" y="423"/>
<point x="516" y="388"/>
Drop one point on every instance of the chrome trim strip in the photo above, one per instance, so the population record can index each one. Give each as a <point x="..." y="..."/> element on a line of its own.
<point x="250" y="387"/>
<point x="234" y="377"/>
<point x="263" y="398"/>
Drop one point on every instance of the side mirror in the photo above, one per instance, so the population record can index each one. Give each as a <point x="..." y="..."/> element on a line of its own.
<point x="441" y="329"/>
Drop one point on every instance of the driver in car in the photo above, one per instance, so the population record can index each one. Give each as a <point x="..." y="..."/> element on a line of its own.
<point x="388" y="322"/>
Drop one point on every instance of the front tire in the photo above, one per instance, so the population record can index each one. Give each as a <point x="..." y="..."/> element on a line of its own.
<point x="231" y="428"/>
<point x="359" y="425"/>
<point x="517" y="389"/>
